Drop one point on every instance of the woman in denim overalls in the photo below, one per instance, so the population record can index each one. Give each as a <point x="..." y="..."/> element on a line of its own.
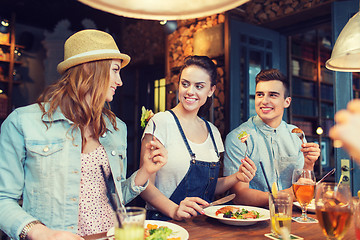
<point x="190" y="178"/>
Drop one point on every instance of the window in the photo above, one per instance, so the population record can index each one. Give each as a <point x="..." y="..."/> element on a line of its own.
<point x="159" y="95"/>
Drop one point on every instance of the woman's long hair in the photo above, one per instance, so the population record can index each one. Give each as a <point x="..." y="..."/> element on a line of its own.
<point x="209" y="66"/>
<point x="80" y="94"/>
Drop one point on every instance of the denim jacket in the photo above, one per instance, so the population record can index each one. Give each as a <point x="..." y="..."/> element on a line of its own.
<point x="42" y="166"/>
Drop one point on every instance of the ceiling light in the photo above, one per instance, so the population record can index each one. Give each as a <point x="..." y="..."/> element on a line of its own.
<point x="164" y="9"/>
<point x="345" y="55"/>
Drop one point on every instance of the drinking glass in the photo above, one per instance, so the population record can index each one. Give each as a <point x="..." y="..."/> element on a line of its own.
<point x="356" y="203"/>
<point x="333" y="209"/>
<point x="280" y="214"/>
<point x="132" y="223"/>
<point x="303" y="183"/>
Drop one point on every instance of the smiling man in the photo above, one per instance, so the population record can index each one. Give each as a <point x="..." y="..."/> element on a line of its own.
<point x="270" y="141"/>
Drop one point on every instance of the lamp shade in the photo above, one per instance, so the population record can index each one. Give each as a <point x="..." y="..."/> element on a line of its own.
<point x="164" y="9"/>
<point x="345" y="55"/>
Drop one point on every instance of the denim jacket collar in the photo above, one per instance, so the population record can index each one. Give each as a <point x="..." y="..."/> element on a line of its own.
<point x="56" y="116"/>
<point x="59" y="116"/>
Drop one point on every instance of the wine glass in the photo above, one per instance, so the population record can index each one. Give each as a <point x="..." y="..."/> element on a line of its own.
<point x="303" y="183"/>
<point x="333" y="209"/>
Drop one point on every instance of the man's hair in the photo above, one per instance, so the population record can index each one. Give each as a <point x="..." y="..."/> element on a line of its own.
<point x="273" y="74"/>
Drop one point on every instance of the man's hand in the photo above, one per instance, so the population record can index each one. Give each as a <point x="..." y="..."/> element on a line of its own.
<point x="311" y="154"/>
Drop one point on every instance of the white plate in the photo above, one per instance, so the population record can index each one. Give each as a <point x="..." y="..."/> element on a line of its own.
<point x="177" y="230"/>
<point x="264" y="215"/>
<point x="310" y="208"/>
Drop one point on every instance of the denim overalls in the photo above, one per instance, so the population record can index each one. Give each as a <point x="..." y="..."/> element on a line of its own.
<point x="199" y="181"/>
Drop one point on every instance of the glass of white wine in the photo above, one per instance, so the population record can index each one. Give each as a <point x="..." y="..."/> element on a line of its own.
<point x="333" y="209"/>
<point x="132" y="223"/>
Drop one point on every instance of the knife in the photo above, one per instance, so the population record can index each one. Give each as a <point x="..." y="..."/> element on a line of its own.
<point x="221" y="200"/>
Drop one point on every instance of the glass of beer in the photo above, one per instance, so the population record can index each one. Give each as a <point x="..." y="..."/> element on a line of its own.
<point x="131" y="225"/>
<point x="280" y="207"/>
<point x="303" y="185"/>
<point x="333" y="209"/>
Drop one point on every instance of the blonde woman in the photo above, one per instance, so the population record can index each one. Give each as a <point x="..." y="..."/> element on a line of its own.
<point x="53" y="151"/>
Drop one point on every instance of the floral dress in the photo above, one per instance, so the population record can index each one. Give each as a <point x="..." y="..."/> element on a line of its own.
<point x="95" y="212"/>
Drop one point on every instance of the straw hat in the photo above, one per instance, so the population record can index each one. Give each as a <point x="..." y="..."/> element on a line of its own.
<point x="90" y="45"/>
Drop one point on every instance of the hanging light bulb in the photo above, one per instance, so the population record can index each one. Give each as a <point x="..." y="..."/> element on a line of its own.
<point x="164" y="9"/>
<point x="319" y="131"/>
<point x="345" y="56"/>
<point x="5" y="23"/>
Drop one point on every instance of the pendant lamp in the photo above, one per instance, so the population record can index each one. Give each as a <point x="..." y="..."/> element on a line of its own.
<point x="164" y="9"/>
<point x="345" y="56"/>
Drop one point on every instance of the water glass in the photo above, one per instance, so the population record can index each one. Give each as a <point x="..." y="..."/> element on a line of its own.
<point x="280" y="214"/>
<point x="132" y="223"/>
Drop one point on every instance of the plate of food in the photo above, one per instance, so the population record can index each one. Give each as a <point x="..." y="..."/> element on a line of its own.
<point x="237" y="215"/>
<point x="310" y="208"/>
<point x="160" y="230"/>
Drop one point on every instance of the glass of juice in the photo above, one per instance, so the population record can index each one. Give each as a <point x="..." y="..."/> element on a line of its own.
<point x="333" y="209"/>
<point x="280" y="207"/>
<point x="131" y="225"/>
<point x="303" y="185"/>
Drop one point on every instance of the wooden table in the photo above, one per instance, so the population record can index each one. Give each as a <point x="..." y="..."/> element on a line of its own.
<point x="203" y="227"/>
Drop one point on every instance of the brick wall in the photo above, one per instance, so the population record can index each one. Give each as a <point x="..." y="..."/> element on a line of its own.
<point x="256" y="12"/>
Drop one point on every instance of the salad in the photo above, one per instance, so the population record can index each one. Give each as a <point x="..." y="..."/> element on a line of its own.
<point x="146" y="114"/>
<point x="243" y="136"/>
<point x="155" y="232"/>
<point x="237" y="213"/>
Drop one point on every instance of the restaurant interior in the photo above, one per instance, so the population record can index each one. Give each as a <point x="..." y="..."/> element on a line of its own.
<point x="295" y="36"/>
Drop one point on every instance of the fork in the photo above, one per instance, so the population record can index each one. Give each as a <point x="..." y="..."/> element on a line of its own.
<point x="153" y="131"/>
<point x="301" y="136"/>
<point x="246" y="148"/>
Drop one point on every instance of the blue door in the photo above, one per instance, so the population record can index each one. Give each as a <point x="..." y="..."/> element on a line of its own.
<point x="251" y="48"/>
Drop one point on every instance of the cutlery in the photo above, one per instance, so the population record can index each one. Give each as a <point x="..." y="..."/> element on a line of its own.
<point x="154" y="127"/>
<point x="299" y="133"/>
<point x="246" y="148"/>
<point x="107" y="237"/>
<point x="153" y="131"/>
<point x="326" y="175"/>
<point x="221" y="200"/>
<point x="301" y="136"/>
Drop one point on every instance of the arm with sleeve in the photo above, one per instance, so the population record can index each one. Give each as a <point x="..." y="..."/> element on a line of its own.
<point x="12" y="217"/>
<point x="115" y="143"/>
